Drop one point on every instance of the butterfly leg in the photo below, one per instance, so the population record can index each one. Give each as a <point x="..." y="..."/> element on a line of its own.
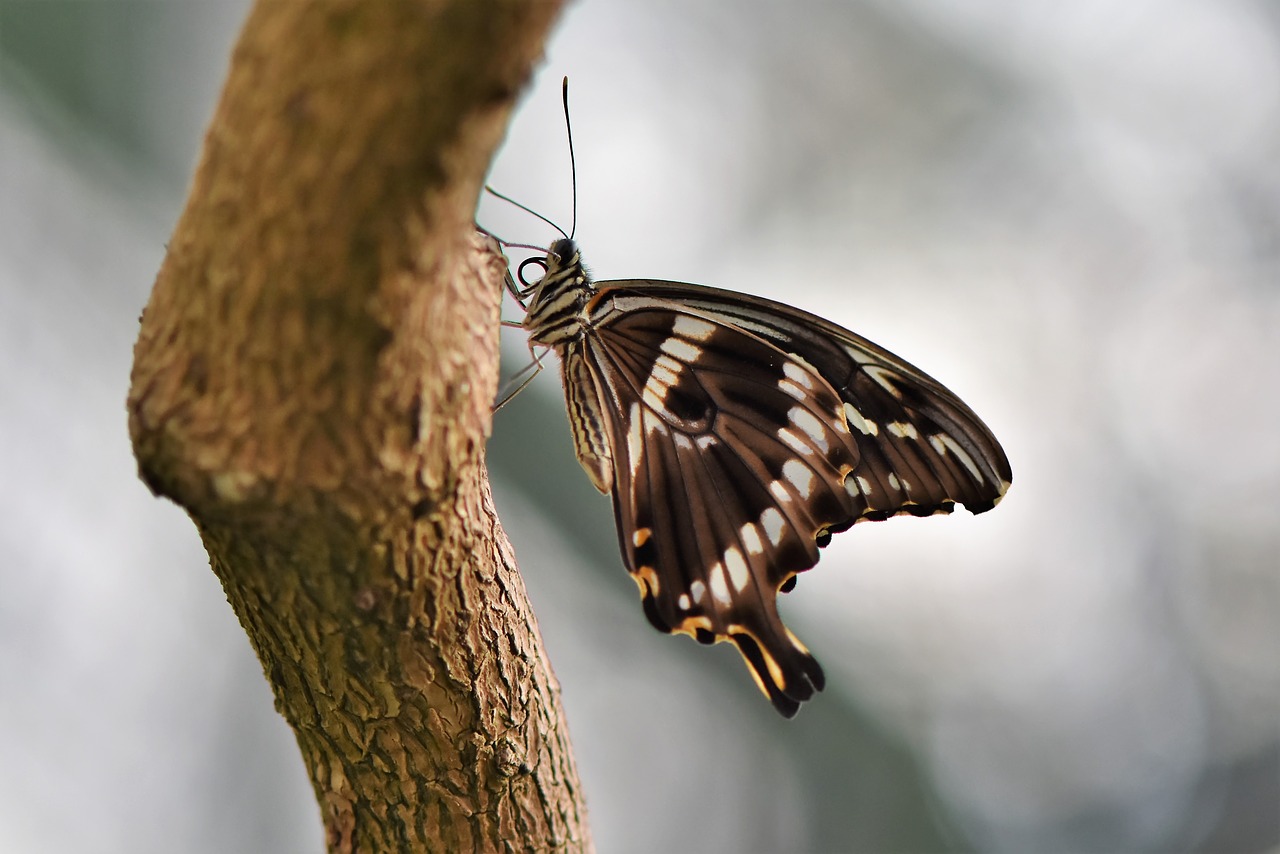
<point x="516" y="293"/>
<point x="532" y="369"/>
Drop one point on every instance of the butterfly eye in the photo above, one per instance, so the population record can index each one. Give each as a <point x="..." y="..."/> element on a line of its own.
<point x="563" y="252"/>
<point x="537" y="262"/>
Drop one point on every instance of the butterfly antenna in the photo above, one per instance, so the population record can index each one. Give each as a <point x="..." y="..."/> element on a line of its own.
<point x="573" y="167"/>
<point x="524" y="208"/>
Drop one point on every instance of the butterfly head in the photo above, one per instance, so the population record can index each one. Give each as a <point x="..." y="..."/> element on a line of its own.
<point x="563" y="254"/>
<point x="557" y="308"/>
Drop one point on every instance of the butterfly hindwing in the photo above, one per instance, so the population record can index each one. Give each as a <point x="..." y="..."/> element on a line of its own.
<point x="730" y="464"/>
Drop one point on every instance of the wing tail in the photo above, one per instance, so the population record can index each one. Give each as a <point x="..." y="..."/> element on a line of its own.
<point x="783" y="668"/>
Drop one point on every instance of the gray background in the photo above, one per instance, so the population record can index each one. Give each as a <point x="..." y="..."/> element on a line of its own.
<point x="1070" y="213"/>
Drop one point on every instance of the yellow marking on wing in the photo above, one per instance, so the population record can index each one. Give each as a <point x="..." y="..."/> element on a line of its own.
<point x="775" y="672"/>
<point x="795" y="641"/>
<point x="690" y="625"/>
<point x="646" y="578"/>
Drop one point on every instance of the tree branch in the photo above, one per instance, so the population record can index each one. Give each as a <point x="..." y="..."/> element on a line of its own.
<point x="312" y="382"/>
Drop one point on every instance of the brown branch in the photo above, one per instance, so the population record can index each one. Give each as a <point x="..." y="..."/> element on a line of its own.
<point x="312" y="382"/>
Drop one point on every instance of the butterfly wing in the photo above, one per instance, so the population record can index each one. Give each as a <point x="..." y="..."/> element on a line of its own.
<point x="740" y="435"/>
<point x="921" y="449"/>
<point x="730" y="464"/>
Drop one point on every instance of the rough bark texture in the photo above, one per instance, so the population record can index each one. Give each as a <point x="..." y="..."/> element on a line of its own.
<point x="312" y="382"/>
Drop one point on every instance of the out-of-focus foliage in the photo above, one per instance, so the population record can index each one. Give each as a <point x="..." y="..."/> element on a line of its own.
<point x="1069" y="214"/>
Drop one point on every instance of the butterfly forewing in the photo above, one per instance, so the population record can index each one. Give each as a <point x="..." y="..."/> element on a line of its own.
<point x="735" y="435"/>
<point x="922" y="449"/>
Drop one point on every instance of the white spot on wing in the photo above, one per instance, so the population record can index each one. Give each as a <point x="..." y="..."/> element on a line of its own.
<point x="737" y="568"/>
<point x="683" y="441"/>
<point x="863" y="485"/>
<point x="666" y="370"/>
<point x="960" y="453"/>
<point x="682" y="350"/>
<point x="800" y="476"/>
<point x="800" y="360"/>
<point x="792" y="389"/>
<point x="893" y="481"/>
<point x="797" y="374"/>
<point x="683" y="601"/>
<point x="838" y="422"/>
<point x="779" y="492"/>
<point x="698" y="590"/>
<point x="809" y="423"/>
<point x="859" y="356"/>
<point x="772" y="522"/>
<point x="705" y="441"/>
<point x="692" y="327"/>
<point x="862" y="425"/>
<point x="635" y="439"/>
<point x="653" y="424"/>
<point x="751" y="539"/>
<point x="719" y="586"/>
<point x="904" y="430"/>
<point x="794" y="442"/>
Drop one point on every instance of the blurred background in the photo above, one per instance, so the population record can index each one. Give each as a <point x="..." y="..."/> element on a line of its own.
<point x="1069" y="213"/>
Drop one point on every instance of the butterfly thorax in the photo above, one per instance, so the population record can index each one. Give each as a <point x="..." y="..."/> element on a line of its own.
<point x="557" y="312"/>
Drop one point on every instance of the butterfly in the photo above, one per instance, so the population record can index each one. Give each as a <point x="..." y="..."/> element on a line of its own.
<point x="736" y="435"/>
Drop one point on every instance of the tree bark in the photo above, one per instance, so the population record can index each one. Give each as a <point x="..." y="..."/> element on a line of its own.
<point x="312" y="383"/>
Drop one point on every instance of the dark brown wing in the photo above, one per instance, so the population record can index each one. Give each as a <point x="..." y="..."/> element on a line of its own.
<point x="741" y="433"/>
<point x="921" y="449"/>
<point x="730" y="465"/>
